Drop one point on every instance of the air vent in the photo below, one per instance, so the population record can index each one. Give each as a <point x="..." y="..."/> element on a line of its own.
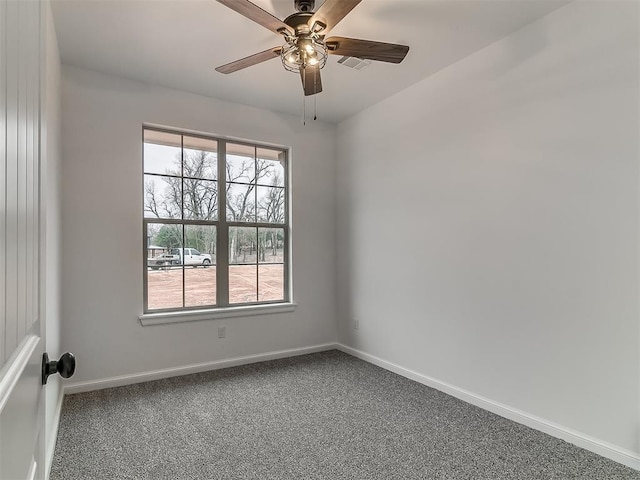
<point x="353" y="62"/>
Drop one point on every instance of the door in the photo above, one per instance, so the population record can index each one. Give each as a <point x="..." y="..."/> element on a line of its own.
<point x="21" y="268"/>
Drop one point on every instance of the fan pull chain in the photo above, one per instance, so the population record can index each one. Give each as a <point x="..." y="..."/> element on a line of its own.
<point x="315" y="96"/>
<point x="304" y="101"/>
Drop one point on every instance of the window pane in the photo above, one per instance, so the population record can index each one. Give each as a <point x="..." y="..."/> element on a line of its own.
<point x="200" y="286"/>
<point x="200" y="158"/>
<point x="243" y="245"/>
<point x="271" y="245"/>
<point x="270" y="204"/>
<point x="240" y="163"/>
<point x="270" y="166"/>
<point x="162" y="153"/>
<point x="164" y="236"/>
<point x="162" y="197"/>
<point x="200" y="270"/>
<point x="243" y="284"/>
<point x="200" y="199"/>
<point x="201" y="239"/>
<point x="241" y="203"/>
<point x="271" y="283"/>
<point x="164" y="272"/>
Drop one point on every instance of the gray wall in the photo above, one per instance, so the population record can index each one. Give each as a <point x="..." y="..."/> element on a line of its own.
<point x="102" y="117"/>
<point x="488" y="224"/>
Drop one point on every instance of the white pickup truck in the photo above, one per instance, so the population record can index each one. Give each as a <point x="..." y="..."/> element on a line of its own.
<point x="180" y="256"/>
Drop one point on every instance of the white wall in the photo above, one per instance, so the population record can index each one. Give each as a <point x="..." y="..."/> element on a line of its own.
<point x="102" y="117"/>
<point x="51" y="216"/>
<point x="488" y="223"/>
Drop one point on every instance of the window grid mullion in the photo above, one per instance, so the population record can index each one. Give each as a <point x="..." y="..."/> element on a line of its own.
<point x="257" y="263"/>
<point x="222" y="243"/>
<point x="255" y="215"/>
<point x="256" y="224"/>
<point x="288" y="288"/>
<point x="181" y="254"/>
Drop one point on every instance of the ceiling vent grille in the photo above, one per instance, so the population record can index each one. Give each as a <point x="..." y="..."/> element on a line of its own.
<point x="355" y="63"/>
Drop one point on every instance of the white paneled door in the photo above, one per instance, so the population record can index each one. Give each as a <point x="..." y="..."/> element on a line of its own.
<point x="21" y="238"/>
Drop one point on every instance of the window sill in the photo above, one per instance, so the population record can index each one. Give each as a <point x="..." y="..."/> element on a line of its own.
<point x="149" y="319"/>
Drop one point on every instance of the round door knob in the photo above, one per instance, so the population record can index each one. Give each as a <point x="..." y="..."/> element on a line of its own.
<point x="65" y="366"/>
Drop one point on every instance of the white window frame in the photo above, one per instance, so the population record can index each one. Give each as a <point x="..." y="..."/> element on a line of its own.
<point x="222" y="308"/>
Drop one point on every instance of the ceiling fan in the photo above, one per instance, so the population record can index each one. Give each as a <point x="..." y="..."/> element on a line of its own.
<point x="305" y="49"/>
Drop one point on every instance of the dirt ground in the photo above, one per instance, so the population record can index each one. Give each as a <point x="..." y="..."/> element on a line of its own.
<point x="165" y="286"/>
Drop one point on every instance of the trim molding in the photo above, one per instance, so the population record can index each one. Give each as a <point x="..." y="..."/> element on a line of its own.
<point x="122" y="380"/>
<point x="613" y="452"/>
<point x="150" y="319"/>
<point x="53" y="437"/>
<point x="15" y="365"/>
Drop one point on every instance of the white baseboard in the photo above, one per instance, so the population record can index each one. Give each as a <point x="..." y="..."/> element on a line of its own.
<point x="122" y="380"/>
<point x="51" y="439"/>
<point x="613" y="452"/>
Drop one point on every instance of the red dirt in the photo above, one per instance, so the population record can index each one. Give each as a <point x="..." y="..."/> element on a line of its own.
<point x="165" y="286"/>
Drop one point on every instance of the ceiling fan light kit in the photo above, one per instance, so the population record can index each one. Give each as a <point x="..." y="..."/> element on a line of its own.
<point x="306" y="49"/>
<point x="299" y="53"/>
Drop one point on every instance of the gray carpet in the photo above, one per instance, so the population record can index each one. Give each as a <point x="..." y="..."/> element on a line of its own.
<point x="320" y="416"/>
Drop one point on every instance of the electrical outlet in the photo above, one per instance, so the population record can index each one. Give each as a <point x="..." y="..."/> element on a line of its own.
<point x="222" y="332"/>
<point x="356" y="324"/>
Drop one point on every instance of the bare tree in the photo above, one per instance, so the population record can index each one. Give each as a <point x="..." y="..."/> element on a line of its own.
<point x="242" y="179"/>
<point x="193" y="195"/>
<point x="161" y="204"/>
<point x="184" y="191"/>
<point x="190" y="190"/>
<point x="200" y="195"/>
<point x="271" y="205"/>
<point x="271" y="210"/>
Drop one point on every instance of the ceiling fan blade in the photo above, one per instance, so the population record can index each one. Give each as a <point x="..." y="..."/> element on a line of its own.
<point x="331" y="12"/>
<point x="257" y="14"/>
<point x="311" y="82"/>
<point x="366" y="49"/>
<point x="249" y="61"/>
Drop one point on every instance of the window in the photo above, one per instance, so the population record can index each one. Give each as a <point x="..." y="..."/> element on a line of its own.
<point x="215" y="222"/>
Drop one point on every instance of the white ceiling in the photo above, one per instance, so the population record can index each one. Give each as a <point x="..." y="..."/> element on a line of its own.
<point x="178" y="43"/>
